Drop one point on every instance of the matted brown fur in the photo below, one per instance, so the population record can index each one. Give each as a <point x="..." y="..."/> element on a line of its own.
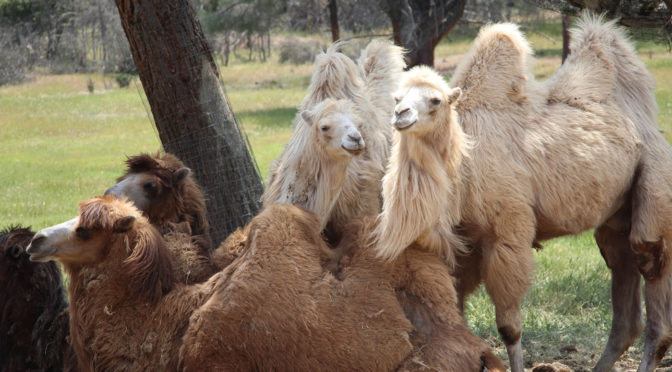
<point x="34" y="333"/>
<point x="176" y="206"/>
<point x="278" y="308"/>
<point x="127" y="313"/>
<point x="425" y="289"/>
<point x="173" y="204"/>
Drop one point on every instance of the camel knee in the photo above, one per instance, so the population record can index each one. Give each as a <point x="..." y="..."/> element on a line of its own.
<point x="509" y="334"/>
<point x="650" y="258"/>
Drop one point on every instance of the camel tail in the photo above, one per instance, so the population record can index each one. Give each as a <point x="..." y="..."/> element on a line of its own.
<point x="381" y="65"/>
<point x="634" y="84"/>
<point x="335" y="76"/>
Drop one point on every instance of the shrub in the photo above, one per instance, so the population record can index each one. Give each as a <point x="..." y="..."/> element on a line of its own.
<point x="123" y="80"/>
<point x="298" y="52"/>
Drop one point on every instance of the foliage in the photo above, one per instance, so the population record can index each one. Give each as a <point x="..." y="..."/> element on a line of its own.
<point x="297" y="52"/>
<point x="123" y="80"/>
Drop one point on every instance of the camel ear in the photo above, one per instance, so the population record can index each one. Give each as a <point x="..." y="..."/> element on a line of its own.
<point x="124" y="224"/>
<point x="308" y="117"/>
<point x="180" y="175"/>
<point x="454" y="94"/>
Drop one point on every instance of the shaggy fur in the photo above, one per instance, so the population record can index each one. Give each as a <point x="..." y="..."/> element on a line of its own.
<point x="278" y="293"/>
<point x="549" y="159"/>
<point x="166" y="191"/>
<point x="33" y="311"/>
<point x="127" y="313"/>
<point x="338" y="188"/>
<point x="425" y="289"/>
<point x="173" y="194"/>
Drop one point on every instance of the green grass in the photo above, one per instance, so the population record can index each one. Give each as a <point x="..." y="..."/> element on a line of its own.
<point x="61" y="145"/>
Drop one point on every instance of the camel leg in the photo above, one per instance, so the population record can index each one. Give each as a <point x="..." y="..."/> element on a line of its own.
<point x="627" y="322"/>
<point x="651" y="259"/>
<point x="467" y="275"/>
<point x="507" y="270"/>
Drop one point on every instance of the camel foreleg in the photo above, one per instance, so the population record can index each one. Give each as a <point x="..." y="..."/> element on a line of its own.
<point x="508" y="266"/>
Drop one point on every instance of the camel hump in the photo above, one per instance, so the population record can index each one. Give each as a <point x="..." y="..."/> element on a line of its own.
<point x="589" y="73"/>
<point x="335" y="76"/>
<point x="381" y="64"/>
<point x="496" y="70"/>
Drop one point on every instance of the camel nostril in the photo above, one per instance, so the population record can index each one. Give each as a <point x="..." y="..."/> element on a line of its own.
<point x="402" y="111"/>
<point x="36" y="243"/>
<point x="355" y="137"/>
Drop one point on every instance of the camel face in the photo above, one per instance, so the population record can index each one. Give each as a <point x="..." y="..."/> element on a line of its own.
<point x="83" y="239"/>
<point x="140" y="188"/>
<point x="335" y="131"/>
<point x="417" y="106"/>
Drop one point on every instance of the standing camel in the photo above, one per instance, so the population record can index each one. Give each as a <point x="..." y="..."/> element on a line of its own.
<point x="576" y="152"/>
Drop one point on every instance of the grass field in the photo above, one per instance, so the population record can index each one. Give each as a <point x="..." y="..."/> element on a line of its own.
<point x="60" y="144"/>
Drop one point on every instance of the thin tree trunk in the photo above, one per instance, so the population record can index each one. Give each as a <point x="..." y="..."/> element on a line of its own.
<point x="191" y="112"/>
<point x="566" y="21"/>
<point x="333" y="16"/>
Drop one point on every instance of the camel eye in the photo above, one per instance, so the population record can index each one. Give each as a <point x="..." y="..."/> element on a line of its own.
<point x="83" y="233"/>
<point x="435" y="101"/>
<point x="150" y="188"/>
<point x="324" y="128"/>
<point x="16" y="251"/>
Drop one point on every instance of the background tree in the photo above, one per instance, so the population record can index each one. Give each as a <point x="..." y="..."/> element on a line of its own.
<point x="419" y="25"/>
<point x="191" y="112"/>
<point x="333" y="19"/>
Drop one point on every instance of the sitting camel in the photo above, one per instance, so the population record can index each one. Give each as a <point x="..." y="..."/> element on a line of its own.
<point x="332" y="181"/>
<point x="34" y="334"/>
<point x="166" y="191"/>
<point x="579" y="151"/>
<point x="128" y="313"/>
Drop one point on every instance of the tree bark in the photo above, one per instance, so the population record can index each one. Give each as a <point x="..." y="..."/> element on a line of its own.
<point x="333" y="16"/>
<point x="420" y="25"/>
<point x="566" y="21"/>
<point x="193" y="117"/>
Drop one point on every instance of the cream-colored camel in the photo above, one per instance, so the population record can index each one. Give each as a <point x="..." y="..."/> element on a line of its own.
<point x="548" y="159"/>
<point x="335" y="184"/>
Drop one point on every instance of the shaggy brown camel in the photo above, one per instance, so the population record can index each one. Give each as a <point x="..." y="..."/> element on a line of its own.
<point x="127" y="313"/>
<point x="329" y="180"/>
<point x="579" y="151"/>
<point x="166" y="191"/>
<point x="34" y="333"/>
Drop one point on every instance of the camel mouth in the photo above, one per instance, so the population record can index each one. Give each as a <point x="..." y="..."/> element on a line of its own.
<point x="402" y="125"/>
<point x="41" y="257"/>
<point x="355" y="151"/>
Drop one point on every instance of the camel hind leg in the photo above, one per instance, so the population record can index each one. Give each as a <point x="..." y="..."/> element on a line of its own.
<point x="651" y="236"/>
<point x="627" y="322"/>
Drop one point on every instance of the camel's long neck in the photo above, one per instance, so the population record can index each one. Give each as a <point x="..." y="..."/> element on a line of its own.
<point x="313" y="182"/>
<point x="421" y="186"/>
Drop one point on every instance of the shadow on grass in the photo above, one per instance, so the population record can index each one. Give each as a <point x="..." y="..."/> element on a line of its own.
<point x="278" y="118"/>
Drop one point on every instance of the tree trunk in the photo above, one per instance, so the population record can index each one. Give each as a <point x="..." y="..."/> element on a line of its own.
<point x="566" y="21"/>
<point x="420" y="25"/>
<point x="191" y="112"/>
<point x="333" y="16"/>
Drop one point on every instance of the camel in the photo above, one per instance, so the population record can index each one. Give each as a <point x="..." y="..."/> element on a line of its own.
<point x="129" y="313"/>
<point x="542" y="160"/>
<point x="332" y="181"/>
<point x="166" y="191"/>
<point x="33" y="311"/>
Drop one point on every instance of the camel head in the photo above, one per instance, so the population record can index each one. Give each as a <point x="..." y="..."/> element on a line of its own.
<point x="85" y="239"/>
<point x="150" y="180"/>
<point x="333" y="125"/>
<point x="422" y="100"/>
